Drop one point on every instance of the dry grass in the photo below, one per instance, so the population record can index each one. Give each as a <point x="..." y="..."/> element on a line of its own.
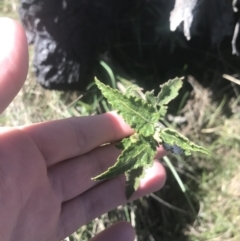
<point x="34" y="104"/>
<point x="219" y="212"/>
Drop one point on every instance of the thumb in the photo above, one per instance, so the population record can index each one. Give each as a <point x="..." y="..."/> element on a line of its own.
<point x="121" y="231"/>
<point x="13" y="60"/>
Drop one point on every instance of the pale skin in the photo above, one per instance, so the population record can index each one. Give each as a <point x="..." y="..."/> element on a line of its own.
<point x="46" y="191"/>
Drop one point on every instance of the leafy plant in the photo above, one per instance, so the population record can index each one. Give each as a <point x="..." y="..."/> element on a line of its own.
<point x="143" y="115"/>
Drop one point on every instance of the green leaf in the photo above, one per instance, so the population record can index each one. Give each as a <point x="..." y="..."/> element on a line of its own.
<point x="133" y="178"/>
<point x="139" y="153"/>
<point x="175" y="141"/>
<point x="124" y="143"/>
<point x="139" y="149"/>
<point x="169" y="91"/>
<point x="162" y="111"/>
<point x="133" y="90"/>
<point x="140" y="115"/>
<point x="151" y="98"/>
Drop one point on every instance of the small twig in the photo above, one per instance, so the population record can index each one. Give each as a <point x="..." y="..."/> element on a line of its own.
<point x="211" y="130"/>
<point x="231" y="78"/>
<point x="168" y="204"/>
<point x="74" y="101"/>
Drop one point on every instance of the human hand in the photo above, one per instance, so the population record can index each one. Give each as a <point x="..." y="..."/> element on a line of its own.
<point x="46" y="191"/>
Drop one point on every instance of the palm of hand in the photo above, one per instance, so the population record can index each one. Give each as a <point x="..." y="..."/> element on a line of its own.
<point x="48" y="187"/>
<point x="26" y="191"/>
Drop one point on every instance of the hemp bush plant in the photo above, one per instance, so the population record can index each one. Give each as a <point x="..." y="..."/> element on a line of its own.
<point x="144" y="116"/>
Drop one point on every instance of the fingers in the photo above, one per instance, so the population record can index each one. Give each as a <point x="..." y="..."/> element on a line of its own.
<point x="13" y="60"/>
<point x="105" y="197"/>
<point x="121" y="231"/>
<point x="72" y="177"/>
<point x="65" y="139"/>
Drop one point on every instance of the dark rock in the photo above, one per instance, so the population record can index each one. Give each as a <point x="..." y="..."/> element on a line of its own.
<point x="70" y="35"/>
<point x="67" y="35"/>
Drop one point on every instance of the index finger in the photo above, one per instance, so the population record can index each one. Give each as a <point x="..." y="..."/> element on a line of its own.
<point x="13" y="60"/>
<point x="63" y="139"/>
